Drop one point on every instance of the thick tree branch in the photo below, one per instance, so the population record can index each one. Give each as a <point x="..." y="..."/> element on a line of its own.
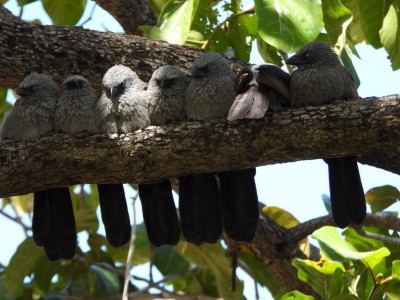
<point x="341" y="129"/>
<point x="130" y="13"/>
<point x="62" y="51"/>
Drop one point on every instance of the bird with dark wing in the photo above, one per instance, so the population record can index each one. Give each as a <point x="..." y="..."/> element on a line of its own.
<point x="118" y="111"/>
<point x="260" y="88"/>
<point x="53" y="223"/>
<point x="166" y="104"/>
<point x="319" y="79"/>
<point x="209" y="95"/>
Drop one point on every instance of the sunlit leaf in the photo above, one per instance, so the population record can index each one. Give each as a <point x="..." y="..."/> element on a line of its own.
<point x="372" y="13"/>
<point x="360" y="242"/>
<point x="296" y="295"/>
<point x="213" y="257"/>
<point x="333" y="246"/>
<point x="21" y="265"/>
<point x="390" y="34"/>
<point x="4" y="105"/>
<point x="355" y="31"/>
<point x="336" y="15"/>
<point x="169" y="261"/>
<point x="316" y="274"/>
<point x="382" y="197"/>
<point x="22" y="204"/>
<point x="288" y="25"/>
<point x="66" y="12"/>
<point x="174" y="22"/>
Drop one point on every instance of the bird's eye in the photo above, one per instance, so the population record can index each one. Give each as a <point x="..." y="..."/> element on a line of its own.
<point x="168" y="82"/>
<point x="157" y="81"/>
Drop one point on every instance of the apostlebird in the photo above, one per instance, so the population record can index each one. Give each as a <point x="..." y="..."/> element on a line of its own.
<point x="260" y="88"/>
<point x="165" y="97"/>
<point x="320" y="79"/>
<point x="117" y="111"/>
<point x="53" y="223"/>
<point x="204" y="203"/>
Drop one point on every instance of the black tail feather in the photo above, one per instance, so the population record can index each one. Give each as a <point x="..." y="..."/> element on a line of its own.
<point x="114" y="213"/>
<point x="239" y="202"/>
<point x="347" y="194"/>
<point x="53" y="223"/>
<point x="159" y="213"/>
<point x="199" y="208"/>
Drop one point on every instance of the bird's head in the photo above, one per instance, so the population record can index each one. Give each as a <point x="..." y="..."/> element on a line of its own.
<point x="210" y="65"/>
<point x="314" y="54"/>
<point x="75" y="82"/>
<point x="37" y="85"/>
<point x="118" y="79"/>
<point x="168" y="77"/>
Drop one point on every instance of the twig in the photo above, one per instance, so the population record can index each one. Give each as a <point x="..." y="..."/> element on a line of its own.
<point x="378" y="237"/>
<point x="131" y="251"/>
<point x="21" y="11"/>
<point x="19" y="221"/>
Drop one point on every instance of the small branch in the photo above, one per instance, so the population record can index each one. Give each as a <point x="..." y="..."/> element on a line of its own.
<point x="16" y="220"/>
<point x="131" y="251"/>
<point x="90" y="16"/>
<point x="378" y="237"/>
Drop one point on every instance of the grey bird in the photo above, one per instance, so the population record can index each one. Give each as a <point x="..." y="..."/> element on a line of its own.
<point x="260" y="88"/>
<point x="118" y="111"/>
<point x="166" y="104"/>
<point x="320" y="79"/>
<point x="53" y="223"/>
<point x="209" y="203"/>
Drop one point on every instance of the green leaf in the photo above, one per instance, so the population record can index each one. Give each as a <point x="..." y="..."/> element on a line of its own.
<point x="335" y="248"/>
<point x="296" y="295"/>
<point x="169" y="261"/>
<point x="4" y="105"/>
<point x="268" y="53"/>
<point x="316" y="274"/>
<point x="65" y="12"/>
<point x="360" y="242"/>
<point x="382" y="197"/>
<point x="372" y="13"/>
<point x="396" y="269"/>
<point x="338" y="284"/>
<point x="348" y="64"/>
<point x="336" y="18"/>
<point x="86" y="219"/>
<point x="44" y="271"/>
<point x="242" y="31"/>
<point x="199" y="283"/>
<point x="355" y="31"/>
<point x="174" y="22"/>
<point x="21" y="265"/>
<point x="106" y="283"/>
<point x="5" y="295"/>
<point x="287" y="25"/>
<point x="213" y="257"/>
<point x="390" y="34"/>
<point x="157" y="5"/>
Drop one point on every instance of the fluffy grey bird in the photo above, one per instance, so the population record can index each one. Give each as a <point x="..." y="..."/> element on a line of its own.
<point x="53" y="224"/>
<point x="118" y="111"/>
<point x="204" y="208"/>
<point x="166" y="104"/>
<point x="320" y="79"/>
<point x="260" y="88"/>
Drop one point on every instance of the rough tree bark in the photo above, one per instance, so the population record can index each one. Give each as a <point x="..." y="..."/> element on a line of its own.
<point x="130" y="13"/>
<point x="363" y="128"/>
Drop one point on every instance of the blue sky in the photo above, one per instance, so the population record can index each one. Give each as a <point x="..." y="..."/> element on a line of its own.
<point x="296" y="187"/>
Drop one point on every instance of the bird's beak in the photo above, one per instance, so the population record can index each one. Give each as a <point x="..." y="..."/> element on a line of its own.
<point x="24" y="92"/>
<point x="295" y="60"/>
<point x="113" y="92"/>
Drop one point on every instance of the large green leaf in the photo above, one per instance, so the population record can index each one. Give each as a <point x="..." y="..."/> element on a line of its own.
<point x="338" y="284"/>
<point x="44" y="271"/>
<point x="268" y="53"/>
<point x="24" y="2"/>
<point x="4" y="105"/>
<point x="5" y="295"/>
<point x="336" y="18"/>
<point x="316" y="273"/>
<point x="348" y="64"/>
<point x="169" y="261"/>
<point x="333" y="246"/>
<point x="288" y="24"/>
<point x="355" y="31"/>
<point x="396" y="269"/>
<point x="382" y="197"/>
<point x="213" y="257"/>
<point x="198" y="283"/>
<point x="174" y="22"/>
<point x="390" y="34"/>
<point x="64" y="12"/>
<point x="372" y="13"/>
<point x="360" y="242"/>
<point x="21" y="265"/>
